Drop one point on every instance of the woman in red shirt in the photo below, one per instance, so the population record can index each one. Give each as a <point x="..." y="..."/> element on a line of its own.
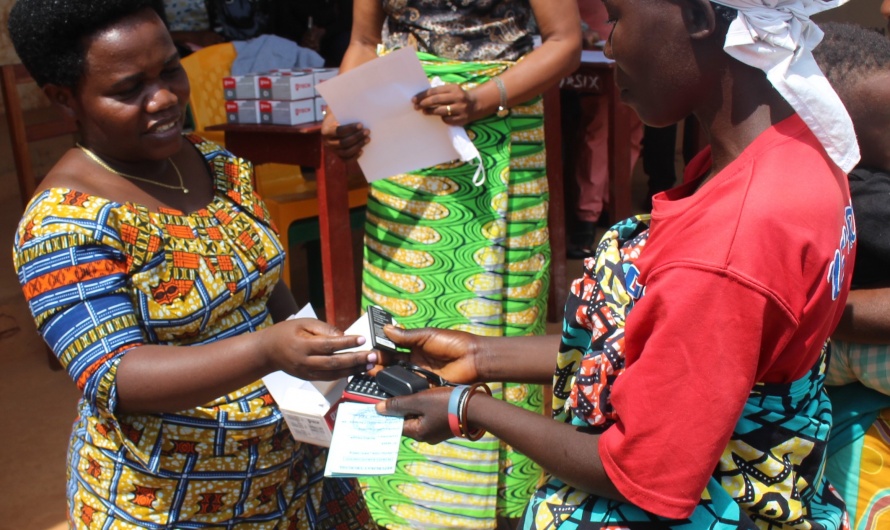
<point x="688" y="383"/>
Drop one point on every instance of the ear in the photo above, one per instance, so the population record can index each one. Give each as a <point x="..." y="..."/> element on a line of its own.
<point x="700" y="18"/>
<point x="62" y="97"/>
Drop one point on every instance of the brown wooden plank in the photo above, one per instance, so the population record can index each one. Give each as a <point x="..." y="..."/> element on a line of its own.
<point x="18" y="135"/>
<point x="556" y="219"/>
<point x="336" y="241"/>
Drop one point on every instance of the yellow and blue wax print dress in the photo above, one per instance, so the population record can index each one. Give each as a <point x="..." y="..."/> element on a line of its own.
<point x="103" y="277"/>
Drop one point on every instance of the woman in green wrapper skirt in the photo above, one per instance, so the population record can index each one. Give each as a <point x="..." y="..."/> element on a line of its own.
<point x="459" y="247"/>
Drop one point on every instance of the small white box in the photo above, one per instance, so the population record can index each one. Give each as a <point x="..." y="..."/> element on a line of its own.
<point x="320" y="75"/>
<point x="287" y="112"/>
<point x="321" y="108"/>
<point x="237" y="87"/>
<point x="309" y="409"/>
<point x="286" y="86"/>
<point x="243" y="111"/>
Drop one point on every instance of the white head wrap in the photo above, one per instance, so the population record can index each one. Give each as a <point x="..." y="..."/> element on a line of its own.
<point x="777" y="36"/>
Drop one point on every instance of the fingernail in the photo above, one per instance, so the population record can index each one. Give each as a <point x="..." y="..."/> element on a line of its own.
<point x="369" y="366"/>
<point x="361" y="340"/>
<point x="372" y="357"/>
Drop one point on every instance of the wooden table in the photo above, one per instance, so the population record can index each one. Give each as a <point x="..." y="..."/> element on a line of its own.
<point x="302" y="145"/>
<point x="596" y="76"/>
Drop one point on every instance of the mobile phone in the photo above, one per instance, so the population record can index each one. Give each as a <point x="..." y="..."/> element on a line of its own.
<point x="378" y="318"/>
<point x="364" y="389"/>
<point x="392" y="381"/>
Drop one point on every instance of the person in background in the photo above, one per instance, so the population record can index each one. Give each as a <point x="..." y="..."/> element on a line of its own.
<point x="451" y="248"/>
<point x="323" y="27"/>
<point x="152" y="270"/>
<point x="856" y="61"/>
<point x="688" y="384"/>
<point x="319" y="29"/>
<point x="592" y="154"/>
<point x="189" y="25"/>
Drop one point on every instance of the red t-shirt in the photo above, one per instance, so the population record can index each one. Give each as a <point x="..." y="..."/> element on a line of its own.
<point x="741" y="282"/>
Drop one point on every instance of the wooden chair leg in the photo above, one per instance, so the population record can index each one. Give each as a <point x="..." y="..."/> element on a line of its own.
<point x="556" y="217"/>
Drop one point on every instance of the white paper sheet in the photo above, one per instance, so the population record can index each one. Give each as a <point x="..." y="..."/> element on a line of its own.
<point x="378" y="95"/>
<point x="364" y="443"/>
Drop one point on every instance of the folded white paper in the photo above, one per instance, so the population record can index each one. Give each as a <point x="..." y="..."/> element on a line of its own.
<point x="378" y="95"/>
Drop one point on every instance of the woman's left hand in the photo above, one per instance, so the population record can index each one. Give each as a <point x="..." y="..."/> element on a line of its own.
<point x="455" y="105"/>
<point x="425" y="413"/>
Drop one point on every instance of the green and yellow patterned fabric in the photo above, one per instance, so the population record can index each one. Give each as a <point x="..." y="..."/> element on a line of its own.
<point x="441" y="251"/>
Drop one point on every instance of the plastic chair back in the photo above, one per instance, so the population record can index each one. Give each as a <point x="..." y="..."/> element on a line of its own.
<point x="206" y="68"/>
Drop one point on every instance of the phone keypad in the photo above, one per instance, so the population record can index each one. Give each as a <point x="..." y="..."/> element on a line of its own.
<point x="364" y="386"/>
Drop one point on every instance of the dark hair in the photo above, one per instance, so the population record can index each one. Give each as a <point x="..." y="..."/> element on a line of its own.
<point x="48" y="35"/>
<point x="850" y="53"/>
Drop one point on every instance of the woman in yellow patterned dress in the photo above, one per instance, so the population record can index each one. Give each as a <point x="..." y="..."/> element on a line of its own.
<point x="445" y="247"/>
<point x="152" y="270"/>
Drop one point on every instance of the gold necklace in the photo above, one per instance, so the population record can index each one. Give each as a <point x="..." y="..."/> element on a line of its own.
<point x="110" y="169"/>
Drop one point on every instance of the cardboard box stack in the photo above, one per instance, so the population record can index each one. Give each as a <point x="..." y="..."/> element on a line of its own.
<point x="278" y="97"/>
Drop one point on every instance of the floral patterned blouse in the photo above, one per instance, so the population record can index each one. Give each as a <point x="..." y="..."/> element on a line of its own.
<point x="466" y="30"/>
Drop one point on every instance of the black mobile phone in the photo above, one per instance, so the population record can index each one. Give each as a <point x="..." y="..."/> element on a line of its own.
<point x="378" y="318"/>
<point x="392" y="381"/>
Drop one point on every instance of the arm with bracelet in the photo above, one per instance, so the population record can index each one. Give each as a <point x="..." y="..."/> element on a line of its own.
<point x="558" y="55"/>
<point x="468" y="410"/>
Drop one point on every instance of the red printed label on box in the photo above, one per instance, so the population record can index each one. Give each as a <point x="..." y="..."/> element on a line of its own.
<point x="243" y="111"/>
<point x="287" y="112"/>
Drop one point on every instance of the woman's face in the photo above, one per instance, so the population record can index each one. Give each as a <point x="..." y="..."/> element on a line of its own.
<point x="658" y="73"/>
<point x="131" y="101"/>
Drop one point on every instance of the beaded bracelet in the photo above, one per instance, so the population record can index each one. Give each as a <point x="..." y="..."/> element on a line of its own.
<point x="462" y="411"/>
<point x="458" y="394"/>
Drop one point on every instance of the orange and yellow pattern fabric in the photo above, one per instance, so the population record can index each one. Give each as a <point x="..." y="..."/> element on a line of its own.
<point x="102" y="278"/>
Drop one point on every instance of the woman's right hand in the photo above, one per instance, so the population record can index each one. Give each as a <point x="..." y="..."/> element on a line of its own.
<point x="347" y="140"/>
<point x="306" y="348"/>
<point x="451" y="354"/>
